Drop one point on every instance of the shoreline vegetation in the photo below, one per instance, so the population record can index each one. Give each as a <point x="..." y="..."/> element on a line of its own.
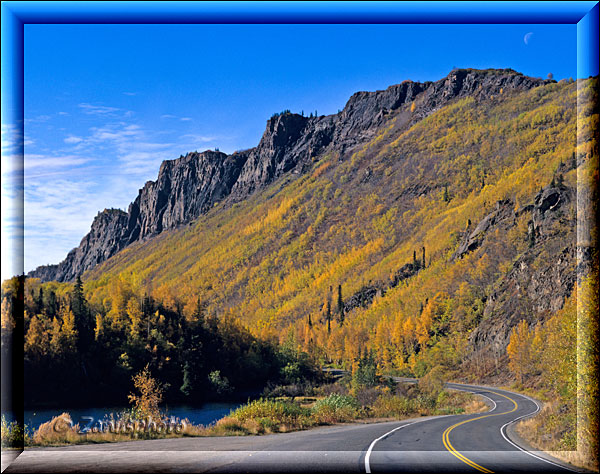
<point x="361" y="397"/>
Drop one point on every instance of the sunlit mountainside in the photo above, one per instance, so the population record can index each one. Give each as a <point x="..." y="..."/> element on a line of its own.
<point x="276" y="259"/>
<point x="424" y="235"/>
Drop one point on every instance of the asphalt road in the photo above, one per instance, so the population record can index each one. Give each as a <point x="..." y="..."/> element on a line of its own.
<point x="455" y="443"/>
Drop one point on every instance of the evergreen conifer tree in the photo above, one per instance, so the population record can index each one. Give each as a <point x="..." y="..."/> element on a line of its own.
<point x="340" y="305"/>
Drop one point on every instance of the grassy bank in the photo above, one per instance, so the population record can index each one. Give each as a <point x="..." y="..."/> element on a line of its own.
<point x="284" y="414"/>
<point x="286" y="408"/>
<point x="554" y="428"/>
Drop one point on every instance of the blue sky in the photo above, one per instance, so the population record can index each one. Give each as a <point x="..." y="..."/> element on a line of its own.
<point x="105" y="104"/>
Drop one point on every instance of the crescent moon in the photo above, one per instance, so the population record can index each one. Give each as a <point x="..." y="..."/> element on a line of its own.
<point x="527" y="37"/>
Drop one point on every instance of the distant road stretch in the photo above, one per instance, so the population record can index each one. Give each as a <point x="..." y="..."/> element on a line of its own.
<point x="454" y="443"/>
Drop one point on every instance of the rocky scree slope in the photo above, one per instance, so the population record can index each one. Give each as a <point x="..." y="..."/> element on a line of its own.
<point x="189" y="186"/>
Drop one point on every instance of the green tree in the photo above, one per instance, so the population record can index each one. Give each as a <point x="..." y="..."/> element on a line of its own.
<point x="340" y="305"/>
<point x="365" y="374"/>
<point x="83" y="318"/>
<point x="219" y="383"/>
<point x="193" y="343"/>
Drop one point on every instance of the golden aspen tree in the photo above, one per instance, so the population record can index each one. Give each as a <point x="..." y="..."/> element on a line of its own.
<point x="424" y="324"/>
<point x="134" y="312"/>
<point x="56" y="344"/>
<point x="538" y="346"/>
<point x="408" y="329"/>
<point x="99" y="328"/>
<point x="68" y="329"/>
<point x="36" y="339"/>
<point x="587" y="368"/>
<point x="519" y="350"/>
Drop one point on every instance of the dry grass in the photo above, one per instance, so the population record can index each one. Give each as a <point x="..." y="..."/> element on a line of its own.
<point x="275" y="416"/>
<point x="555" y="432"/>
<point x="61" y="431"/>
<point x="476" y="405"/>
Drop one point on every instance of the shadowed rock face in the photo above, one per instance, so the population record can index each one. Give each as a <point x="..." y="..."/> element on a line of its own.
<point x="533" y="289"/>
<point x="189" y="186"/>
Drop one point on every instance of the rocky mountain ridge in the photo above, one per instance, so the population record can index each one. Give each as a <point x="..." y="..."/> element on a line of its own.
<point x="191" y="185"/>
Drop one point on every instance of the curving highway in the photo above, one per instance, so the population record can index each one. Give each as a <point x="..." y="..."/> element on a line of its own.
<point x="456" y="443"/>
<point x="463" y="443"/>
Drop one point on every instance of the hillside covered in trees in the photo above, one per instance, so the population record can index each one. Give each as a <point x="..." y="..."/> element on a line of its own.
<point x="440" y="239"/>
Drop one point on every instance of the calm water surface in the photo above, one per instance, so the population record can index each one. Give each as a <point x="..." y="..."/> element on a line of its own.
<point x="203" y="415"/>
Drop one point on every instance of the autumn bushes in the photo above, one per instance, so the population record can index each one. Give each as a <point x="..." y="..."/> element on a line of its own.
<point x="272" y="416"/>
<point x="336" y="408"/>
<point x="12" y="434"/>
<point x="124" y="426"/>
<point x="265" y="416"/>
<point x="361" y="395"/>
<point x="428" y="397"/>
<point x="358" y="396"/>
<point x="559" y="359"/>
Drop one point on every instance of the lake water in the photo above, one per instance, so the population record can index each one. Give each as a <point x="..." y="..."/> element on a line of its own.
<point x="203" y="415"/>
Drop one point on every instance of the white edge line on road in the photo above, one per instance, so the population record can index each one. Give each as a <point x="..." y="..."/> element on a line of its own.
<point x="503" y="429"/>
<point x="368" y="455"/>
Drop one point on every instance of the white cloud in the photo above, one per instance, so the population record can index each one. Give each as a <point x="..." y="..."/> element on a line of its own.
<point x="38" y="119"/>
<point x="185" y="119"/>
<point x="130" y="93"/>
<point x="45" y="162"/>
<point x="11" y="168"/>
<point x="59" y="213"/>
<point x="98" y="109"/>
<point x="193" y="138"/>
<point x="105" y="167"/>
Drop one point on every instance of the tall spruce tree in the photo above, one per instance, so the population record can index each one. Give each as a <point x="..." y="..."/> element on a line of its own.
<point x="83" y="318"/>
<point x="340" y="305"/>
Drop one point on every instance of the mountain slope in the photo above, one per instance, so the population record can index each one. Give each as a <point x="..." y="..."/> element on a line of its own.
<point x="438" y="230"/>
<point x="471" y="182"/>
<point x="190" y="185"/>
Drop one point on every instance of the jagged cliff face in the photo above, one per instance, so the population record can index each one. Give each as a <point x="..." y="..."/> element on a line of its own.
<point x="185" y="188"/>
<point x="189" y="186"/>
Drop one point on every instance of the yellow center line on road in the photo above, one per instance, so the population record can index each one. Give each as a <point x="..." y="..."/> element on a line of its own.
<point x="449" y="447"/>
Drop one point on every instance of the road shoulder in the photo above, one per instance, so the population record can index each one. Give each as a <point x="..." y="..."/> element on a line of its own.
<point x="516" y="438"/>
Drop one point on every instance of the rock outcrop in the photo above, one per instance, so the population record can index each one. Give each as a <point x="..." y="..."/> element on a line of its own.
<point x="541" y="278"/>
<point x="473" y="240"/>
<point x="189" y="186"/>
